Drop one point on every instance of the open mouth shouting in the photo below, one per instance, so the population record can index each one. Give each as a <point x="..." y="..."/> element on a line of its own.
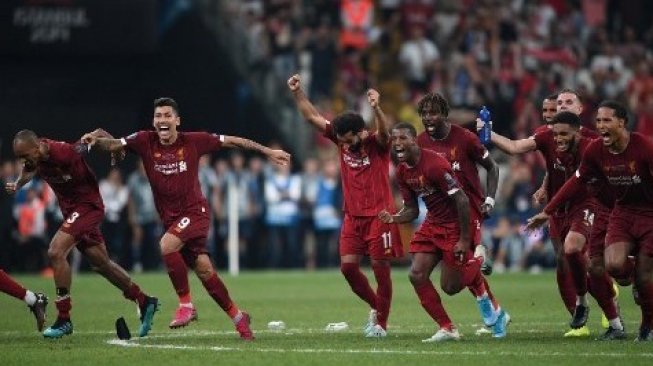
<point x="400" y="153"/>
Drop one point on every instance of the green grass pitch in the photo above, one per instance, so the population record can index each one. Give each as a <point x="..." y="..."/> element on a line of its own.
<point x="306" y="302"/>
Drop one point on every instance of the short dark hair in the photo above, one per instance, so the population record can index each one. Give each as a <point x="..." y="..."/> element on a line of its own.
<point x="568" y="118"/>
<point x="406" y="126"/>
<point x="553" y="96"/>
<point x="572" y="91"/>
<point x="166" y="102"/>
<point x="348" y="121"/>
<point x="433" y="101"/>
<point x="619" y="109"/>
<point x="26" y="135"/>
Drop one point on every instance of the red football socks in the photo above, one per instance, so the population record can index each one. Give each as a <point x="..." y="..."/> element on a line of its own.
<point x="178" y="274"/>
<point x="134" y="293"/>
<point x="601" y="289"/>
<point x="566" y="288"/>
<point x="358" y="283"/>
<point x="383" y="293"/>
<point x="578" y="271"/>
<point x="431" y="302"/>
<point x="216" y="288"/>
<point x="11" y="287"/>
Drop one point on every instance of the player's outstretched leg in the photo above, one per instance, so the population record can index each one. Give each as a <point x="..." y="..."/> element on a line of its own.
<point x="60" y="246"/>
<point x="218" y="291"/>
<point x="99" y="258"/>
<point x="36" y="302"/>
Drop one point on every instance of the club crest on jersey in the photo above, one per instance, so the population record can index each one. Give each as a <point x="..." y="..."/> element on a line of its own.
<point x="180" y="154"/>
<point x="356" y="162"/>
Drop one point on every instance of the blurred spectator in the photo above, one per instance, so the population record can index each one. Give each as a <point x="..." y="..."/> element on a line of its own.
<point x="282" y="194"/>
<point x="144" y="221"/>
<point x="357" y="18"/>
<point x="115" y="196"/>
<point x="310" y="184"/>
<point x="327" y="215"/>
<point x="418" y="55"/>
<point x="210" y="188"/>
<point x="31" y="252"/>
<point x="7" y="223"/>
<point x="240" y="179"/>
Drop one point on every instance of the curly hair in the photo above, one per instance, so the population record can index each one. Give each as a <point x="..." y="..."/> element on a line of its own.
<point x="433" y="102"/>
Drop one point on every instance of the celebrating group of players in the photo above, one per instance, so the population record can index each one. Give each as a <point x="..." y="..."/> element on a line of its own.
<point x="599" y="188"/>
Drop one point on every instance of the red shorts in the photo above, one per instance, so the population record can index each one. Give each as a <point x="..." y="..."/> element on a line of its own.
<point x="193" y="231"/>
<point x="367" y="235"/>
<point x="83" y="223"/>
<point x="631" y="226"/>
<point x="577" y="220"/>
<point x="599" y="230"/>
<point x="433" y="238"/>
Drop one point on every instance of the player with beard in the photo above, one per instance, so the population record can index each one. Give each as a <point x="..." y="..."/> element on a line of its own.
<point x="463" y="150"/>
<point x="364" y="166"/>
<point x="549" y="109"/>
<point x="562" y="146"/>
<point x="63" y="167"/>
<point x="171" y="160"/>
<point x="445" y="236"/>
<point x="623" y="162"/>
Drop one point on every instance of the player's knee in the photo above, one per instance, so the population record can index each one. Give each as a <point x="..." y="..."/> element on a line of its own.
<point x="615" y="268"/>
<point x="596" y="268"/>
<point x="417" y="277"/>
<point x="450" y="289"/>
<point x="204" y="273"/>
<point x="56" y="255"/>
<point x="349" y="269"/>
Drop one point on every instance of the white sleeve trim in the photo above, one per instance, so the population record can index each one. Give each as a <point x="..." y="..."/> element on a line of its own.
<point x="452" y="191"/>
<point x="577" y="174"/>
<point x="222" y="138"/>
<point x="123" y="141"/>
<point x="487" y="153"/>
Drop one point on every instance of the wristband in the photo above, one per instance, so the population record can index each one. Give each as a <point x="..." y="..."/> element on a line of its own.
<point x="489" y="201"/>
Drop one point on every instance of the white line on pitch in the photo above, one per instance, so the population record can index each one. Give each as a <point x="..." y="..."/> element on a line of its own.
<point x="373" y="351"/>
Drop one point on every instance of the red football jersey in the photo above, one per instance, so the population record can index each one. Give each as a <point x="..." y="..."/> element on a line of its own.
<point x="71" y="179"/>
<point x="463" y="150"/>
<point x="628" y="175"/>
<point x="434" y="181"/>
<point x="365" y="176"/>
<point x="173" y="170"/>
<point x="561" y="165"/>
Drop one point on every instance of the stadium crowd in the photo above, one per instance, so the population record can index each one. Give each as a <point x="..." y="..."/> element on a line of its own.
<point x="507" y="55"/>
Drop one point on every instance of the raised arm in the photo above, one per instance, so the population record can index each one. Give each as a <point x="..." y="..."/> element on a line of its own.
<point x="306" y="108"/>
<point x="279" y="157"/>
<point x="382" y="131"/>
<point x="512" y="147"/>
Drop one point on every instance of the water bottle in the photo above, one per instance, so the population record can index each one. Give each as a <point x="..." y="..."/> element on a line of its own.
<point x="485" y="134"/>
<point x="276" y="325"/>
